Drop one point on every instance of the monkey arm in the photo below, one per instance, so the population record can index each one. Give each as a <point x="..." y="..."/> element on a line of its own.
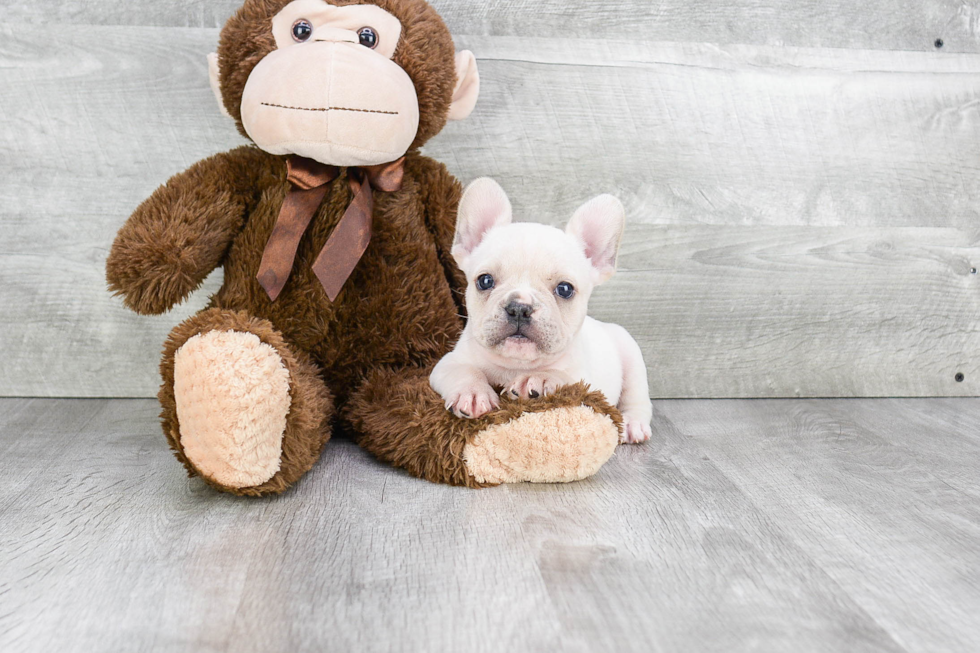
<point x="181" y="233"/>
<point x="442" y="192"/>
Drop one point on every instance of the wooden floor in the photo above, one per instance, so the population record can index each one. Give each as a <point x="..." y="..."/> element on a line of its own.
<point x="777" y="525"/>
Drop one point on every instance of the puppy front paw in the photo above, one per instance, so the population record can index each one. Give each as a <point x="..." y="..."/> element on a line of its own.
<point x="537" y="384"/>
<point x="635" y="430"/>
<point x="472" y="402"/>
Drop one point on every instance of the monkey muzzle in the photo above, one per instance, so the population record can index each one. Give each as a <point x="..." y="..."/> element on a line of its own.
<point x="335" y="102"/>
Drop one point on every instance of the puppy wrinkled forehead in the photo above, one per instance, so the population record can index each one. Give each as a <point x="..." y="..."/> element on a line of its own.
<point x="529" y="245"/>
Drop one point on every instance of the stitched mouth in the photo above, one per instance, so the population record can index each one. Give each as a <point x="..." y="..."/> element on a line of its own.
<point x="282" y="106"/>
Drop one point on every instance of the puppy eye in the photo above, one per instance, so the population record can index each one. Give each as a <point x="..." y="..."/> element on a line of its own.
<point x="484" y="282"/>
<point x="565" y="290"/>
<point x="368" y="37"/>
<point x="302" y="30"/>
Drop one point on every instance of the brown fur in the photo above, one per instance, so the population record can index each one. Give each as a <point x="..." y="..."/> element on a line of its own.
<point x="181" y="233"/>
<point x="399" y="312"/>
<point x="401" y="420"/>
<point x="310" y="410"/>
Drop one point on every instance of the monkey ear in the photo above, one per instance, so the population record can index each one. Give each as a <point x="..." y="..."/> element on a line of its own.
<point x="598" y="226"/>
<point x="467" y="86"/>
<point x="483" y="206"/>
<point x="215" y="75"/>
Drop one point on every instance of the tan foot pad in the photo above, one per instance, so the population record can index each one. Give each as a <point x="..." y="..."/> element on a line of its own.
<point x="554" y="446"/>
<point x="232" y="394"/>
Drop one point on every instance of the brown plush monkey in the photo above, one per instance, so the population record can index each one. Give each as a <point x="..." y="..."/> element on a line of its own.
<point x="339" y="289"/>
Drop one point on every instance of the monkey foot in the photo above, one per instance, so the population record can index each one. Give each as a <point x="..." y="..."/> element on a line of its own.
<point x="240" y="408"/>
<point x="564" y="436"/>
<point x="232" y="394"/>
<point x="553" y="446"/>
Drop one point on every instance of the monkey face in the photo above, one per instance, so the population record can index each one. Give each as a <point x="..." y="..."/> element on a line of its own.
<point x="331" y="91"/>
<point x="344" y="82"/>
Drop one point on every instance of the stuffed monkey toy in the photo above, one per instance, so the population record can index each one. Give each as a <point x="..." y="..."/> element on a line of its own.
<point x="339" y="289"/>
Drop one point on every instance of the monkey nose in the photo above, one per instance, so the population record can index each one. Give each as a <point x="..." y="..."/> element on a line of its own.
<point x="518" y="312"/>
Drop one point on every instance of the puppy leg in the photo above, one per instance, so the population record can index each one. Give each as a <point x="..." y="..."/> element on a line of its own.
<point x="634" y="402"/>
<point x="464" y="388"/>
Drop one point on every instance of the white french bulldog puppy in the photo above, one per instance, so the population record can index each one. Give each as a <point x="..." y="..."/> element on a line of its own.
<point x="528" y="288"/>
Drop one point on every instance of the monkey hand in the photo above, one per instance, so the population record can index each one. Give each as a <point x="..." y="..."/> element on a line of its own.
<point x="180" y="234"/>
<point x="151" y="265"/>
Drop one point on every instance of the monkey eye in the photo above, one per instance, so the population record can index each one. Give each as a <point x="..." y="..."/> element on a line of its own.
<point x="565" y="290"/>
<point x="302" y="30"/>
<point x="484" y="282"/>
<point x="368" y="37"/>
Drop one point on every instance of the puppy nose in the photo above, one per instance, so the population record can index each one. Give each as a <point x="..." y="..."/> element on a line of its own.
<point x="517" y="312"/>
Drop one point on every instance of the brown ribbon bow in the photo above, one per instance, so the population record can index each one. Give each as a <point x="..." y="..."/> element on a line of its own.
<point x="350" y="238"/>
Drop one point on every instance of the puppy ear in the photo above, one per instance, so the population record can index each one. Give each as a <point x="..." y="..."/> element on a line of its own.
<point x="215" y="76"/>
<point x="467" y="86"/>
<point x="483" y="206"/>
<point x="598" y="226"/>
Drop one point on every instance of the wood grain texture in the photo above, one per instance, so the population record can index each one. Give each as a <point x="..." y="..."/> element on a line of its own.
<point x="79" y="151"/>
<point x="822" y="464"/>
<point x="694" y="133"/>
<point x="771" y="147"/>
<point x="871" y="24"/>
<point x="723" y="311"/>
<point x="742" y="526"/>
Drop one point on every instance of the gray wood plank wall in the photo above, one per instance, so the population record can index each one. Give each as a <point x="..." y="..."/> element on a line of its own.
<point x="801" y="179"/>
<point x="876" y="24"/>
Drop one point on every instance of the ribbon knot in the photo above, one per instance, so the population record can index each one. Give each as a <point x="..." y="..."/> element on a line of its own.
<point x="349" y="240"/>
